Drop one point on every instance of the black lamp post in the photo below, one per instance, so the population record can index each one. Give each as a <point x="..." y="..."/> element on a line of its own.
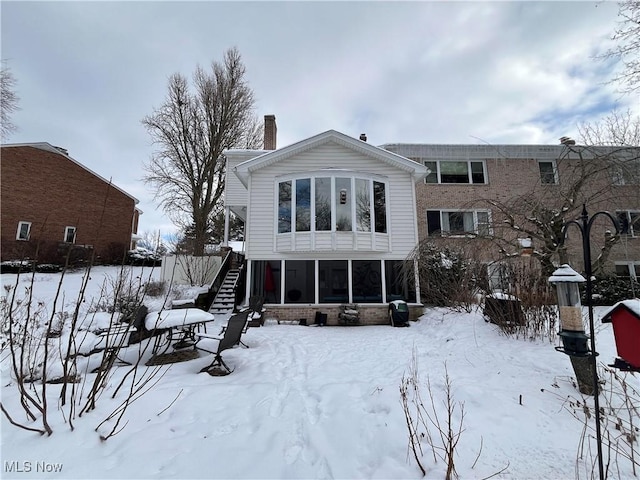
<point x="584" y="224"/>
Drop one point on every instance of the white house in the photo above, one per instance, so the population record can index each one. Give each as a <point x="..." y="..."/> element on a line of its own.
<point x="328" y="220"/>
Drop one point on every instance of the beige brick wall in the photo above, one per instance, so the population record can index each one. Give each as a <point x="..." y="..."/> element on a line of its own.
<point x="369" y="315"/>
<point x="511" y="178"/>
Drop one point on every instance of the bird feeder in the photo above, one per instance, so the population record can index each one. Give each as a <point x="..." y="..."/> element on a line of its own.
<point x="574" y="339"/>
<point x="625" y="317"/>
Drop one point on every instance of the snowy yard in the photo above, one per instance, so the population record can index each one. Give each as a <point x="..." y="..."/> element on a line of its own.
<point x="323" y="402"/>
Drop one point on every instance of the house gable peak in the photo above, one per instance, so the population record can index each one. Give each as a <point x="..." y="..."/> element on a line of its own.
<point x="244" y="169"/>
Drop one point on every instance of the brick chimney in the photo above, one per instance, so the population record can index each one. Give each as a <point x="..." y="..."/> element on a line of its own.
<point x="270" y="132"/>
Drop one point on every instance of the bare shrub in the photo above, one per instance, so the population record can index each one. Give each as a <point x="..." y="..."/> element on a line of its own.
<point x="619" y="425"/>
<point x="450" y="276"/>
<point x="155" y="288"/>
<point x="426" y="424"/>
<point x="43" y="343"/>
<point x="534" y="311"/>
<point x="26" y="330"/>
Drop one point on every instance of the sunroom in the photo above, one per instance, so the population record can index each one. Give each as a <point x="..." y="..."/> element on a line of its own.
<point x="330" y="221"/>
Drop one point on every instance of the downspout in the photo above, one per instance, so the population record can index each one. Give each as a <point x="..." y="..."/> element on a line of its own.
<point x="416" y="273"/>
<point x="225" y="241"/>
<point x="249" y="275"/>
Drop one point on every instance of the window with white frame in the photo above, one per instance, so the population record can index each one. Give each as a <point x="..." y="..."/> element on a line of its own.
<point x="628" y="269"/>
<point x="24" y="231"/>
<point x="332" y="203"/>
<point x="548" y="172"/>
<point x="629" y="221"/>
<point x="458" y="222"/>
<point x="456" y="171"/>
<point x="626" y="172"/>
<point x="70" y="235"/>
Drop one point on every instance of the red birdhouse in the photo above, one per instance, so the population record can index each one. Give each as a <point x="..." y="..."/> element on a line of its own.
<point x="625" y="317"/>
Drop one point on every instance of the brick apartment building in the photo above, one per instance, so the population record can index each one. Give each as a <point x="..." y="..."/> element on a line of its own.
<point x="53" y="205"/>
<point x="470" y="188"/>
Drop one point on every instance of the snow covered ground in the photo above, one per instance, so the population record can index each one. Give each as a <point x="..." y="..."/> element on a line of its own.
<point x="323" y="402"/>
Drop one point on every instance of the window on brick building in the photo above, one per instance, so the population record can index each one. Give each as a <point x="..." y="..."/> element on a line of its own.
<point x="626" y="172"/>
<point x="628" y="269"/>
<point x="548" y="172"/>
<point x="24" y="231"/>
<point x="629" y="221"/>
<point x="70" y="234"/>
<point x="458" y="222"/>
<point x="458" y="171"/>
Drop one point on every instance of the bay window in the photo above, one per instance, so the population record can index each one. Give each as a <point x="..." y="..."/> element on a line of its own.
<point x="284" y="207"/>
<point x="343" y="204"/>
<point x="380" y="207"/>
<point x="323" y="204"/>
<point x="363" y="205"/>
<point x="303" y="205"/>
<point x="332" y="204"/>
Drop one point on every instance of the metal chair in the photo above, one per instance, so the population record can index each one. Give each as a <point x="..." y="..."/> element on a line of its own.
<point x="231" y="338"/>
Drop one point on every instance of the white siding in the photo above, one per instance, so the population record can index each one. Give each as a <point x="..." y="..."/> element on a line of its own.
<point x="235" y="193"/>
<point x="262" y="210"/>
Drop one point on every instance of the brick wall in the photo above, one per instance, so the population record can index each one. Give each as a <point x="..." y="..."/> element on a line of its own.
<point x="369" y="314"/>
<point x="511" y="178"/>
<point x="270" y="132"/>
<point x="53" y="192"/>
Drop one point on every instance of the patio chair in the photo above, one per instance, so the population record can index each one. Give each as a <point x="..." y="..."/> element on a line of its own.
<point x="245" y="316"/>
<point x="230" y="339"/>
<point x="256" y="317"/>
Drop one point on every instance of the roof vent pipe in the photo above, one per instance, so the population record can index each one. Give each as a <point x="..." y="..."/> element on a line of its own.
<point x="363" y="137"/>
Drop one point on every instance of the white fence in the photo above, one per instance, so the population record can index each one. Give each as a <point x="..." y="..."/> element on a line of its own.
<point x="189" y="270"/>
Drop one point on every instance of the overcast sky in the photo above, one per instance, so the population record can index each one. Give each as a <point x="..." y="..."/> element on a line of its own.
<point x="423" y="72"/>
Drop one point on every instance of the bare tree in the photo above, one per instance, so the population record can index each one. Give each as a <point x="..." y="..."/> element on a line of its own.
<point x="590" y="174"/>
<point x="8" y="100"/>
<point x="191" y="130"/>
<point x="617" y="128"/>
<point x="627" y="48"/>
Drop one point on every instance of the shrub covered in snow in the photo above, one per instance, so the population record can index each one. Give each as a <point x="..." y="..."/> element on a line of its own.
<point x="611" y="289"/>
<point x="448" y="277"/>
<point x="143" y="257"/>
<point x="22" y="266"/>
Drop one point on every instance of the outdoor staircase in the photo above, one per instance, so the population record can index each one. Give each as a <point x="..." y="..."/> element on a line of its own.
<point x="224" y="301"/>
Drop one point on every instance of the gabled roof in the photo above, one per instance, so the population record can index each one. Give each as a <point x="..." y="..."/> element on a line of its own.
<point x="244" y="169"/>
<point x="47" y="147"/>
<point x="632" y="306"/>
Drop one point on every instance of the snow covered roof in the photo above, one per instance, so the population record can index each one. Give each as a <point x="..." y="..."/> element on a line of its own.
<point x="503" y="151"/>
<point x="61" y="151"/>
<point x="244" y="169"/>
<point x="566" y="274"/>
<point x="633" y="305"/>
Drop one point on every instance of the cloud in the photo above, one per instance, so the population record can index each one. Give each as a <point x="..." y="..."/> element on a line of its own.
<point x="424" y="72"/>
